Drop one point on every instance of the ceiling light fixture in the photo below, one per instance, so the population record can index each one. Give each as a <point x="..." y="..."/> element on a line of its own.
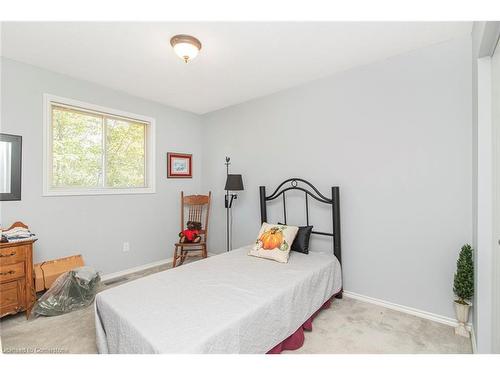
<point x="185" y="46"/>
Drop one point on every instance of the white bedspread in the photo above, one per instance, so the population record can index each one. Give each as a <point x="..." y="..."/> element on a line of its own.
<point x="229" y="303"/>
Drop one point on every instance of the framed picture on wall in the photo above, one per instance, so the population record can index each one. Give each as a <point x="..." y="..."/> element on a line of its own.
<point x="179" y="165"/>
<point x="10" y="167"/>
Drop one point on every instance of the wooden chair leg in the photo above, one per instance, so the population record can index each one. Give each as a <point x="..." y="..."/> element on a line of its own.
<point x="204" y="251"/>
<point x="183" y="256"/>
<point x="174" y="263"/>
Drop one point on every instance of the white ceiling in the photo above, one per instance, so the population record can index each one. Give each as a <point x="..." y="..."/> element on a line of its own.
<point x="239" y="61"/>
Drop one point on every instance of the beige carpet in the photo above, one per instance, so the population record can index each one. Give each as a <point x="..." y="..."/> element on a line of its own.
<point x="348" y="326"/>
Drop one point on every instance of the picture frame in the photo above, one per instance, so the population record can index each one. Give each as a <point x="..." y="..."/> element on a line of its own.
<point x="10" y="167"/>
<point x="179" y="165"/>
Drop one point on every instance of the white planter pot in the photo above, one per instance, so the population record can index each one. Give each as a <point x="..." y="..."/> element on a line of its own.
<point x="462" y="312"/>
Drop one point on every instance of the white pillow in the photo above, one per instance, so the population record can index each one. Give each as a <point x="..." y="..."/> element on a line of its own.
<point x="274" y="242"/>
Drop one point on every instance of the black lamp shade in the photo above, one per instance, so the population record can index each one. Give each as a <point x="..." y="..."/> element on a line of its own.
<point x="234" y="182"/>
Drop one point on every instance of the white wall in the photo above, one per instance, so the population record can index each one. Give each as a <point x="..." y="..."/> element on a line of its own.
<point x="95" y="226"/>
<point x="396" y="137"/>
<point x="495" y="74"/>
<point x="477" y="30"/>
<point x="484" y="224"/>
<point x="484" y="39"/>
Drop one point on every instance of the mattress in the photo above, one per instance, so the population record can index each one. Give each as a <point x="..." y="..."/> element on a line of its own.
<point x="228" y="303"/>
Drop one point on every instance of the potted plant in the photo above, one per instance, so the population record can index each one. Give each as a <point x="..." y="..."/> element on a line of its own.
<point x="463" y="287"/>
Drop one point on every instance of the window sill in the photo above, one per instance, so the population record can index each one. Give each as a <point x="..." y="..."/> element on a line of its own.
<point x="77" y="192"/>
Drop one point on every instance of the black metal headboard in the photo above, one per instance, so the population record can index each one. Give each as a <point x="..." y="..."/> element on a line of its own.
<point x="309" y="190"/>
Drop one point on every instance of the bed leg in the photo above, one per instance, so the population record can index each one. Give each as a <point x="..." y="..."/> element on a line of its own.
<point x="339" y="295"/>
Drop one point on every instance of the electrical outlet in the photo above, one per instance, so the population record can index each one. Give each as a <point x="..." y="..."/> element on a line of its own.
<point x="126" y="247"/>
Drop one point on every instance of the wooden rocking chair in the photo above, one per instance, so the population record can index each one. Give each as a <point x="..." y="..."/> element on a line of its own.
<point x="198" y="208"/>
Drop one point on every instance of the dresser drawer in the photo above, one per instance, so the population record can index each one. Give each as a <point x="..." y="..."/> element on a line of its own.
<point x="12" y="255"/>
<point x="12" y="296"/>
<point x="11" y="271"/>
<point x="9" y="293"/>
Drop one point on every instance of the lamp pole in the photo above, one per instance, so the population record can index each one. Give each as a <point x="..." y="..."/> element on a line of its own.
<point x="227" y="204"/>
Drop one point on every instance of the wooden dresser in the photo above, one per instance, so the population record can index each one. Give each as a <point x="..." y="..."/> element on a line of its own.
<point x="17" y="292"/>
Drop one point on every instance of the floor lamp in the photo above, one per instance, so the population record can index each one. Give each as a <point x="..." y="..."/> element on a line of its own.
<point x="234" y="182"/>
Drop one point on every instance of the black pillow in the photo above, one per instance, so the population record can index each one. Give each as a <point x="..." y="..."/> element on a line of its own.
<point x="301" y="241"/>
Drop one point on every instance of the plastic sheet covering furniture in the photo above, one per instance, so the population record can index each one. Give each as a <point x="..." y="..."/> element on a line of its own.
<point x="228" y="303"/>
<point x="72" y="290"/>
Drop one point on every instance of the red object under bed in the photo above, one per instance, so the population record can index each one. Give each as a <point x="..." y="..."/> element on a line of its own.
<point x="296" y="339"/>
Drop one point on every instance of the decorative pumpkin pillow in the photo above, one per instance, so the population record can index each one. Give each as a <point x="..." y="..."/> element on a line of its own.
<point x="274" y="242"/>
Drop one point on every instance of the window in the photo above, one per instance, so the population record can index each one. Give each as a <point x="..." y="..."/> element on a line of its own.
<point x="95" y="150"/>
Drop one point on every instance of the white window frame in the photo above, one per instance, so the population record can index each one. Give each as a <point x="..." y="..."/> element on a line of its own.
<point x="49" y="190"/>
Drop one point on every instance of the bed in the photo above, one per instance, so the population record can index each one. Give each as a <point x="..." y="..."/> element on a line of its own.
<point x="228" y="303"/>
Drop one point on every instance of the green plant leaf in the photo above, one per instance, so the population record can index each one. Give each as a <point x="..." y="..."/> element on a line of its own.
<point x="463" y="281"/>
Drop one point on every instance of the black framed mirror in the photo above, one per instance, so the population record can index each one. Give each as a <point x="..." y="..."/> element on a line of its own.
<point x="10" y="167"/>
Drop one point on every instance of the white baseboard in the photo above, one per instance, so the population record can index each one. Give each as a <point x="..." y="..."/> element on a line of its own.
<point x="128" y="271"/>
<point x="405" y="309"/>
<point x="143" y="267"/>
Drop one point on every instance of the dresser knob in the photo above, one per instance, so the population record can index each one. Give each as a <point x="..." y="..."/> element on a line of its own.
<point x="7" y="255"/>
<point x="7" y="273"/>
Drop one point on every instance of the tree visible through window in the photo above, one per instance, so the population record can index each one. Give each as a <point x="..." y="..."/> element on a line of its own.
<point x="96" y="150"/>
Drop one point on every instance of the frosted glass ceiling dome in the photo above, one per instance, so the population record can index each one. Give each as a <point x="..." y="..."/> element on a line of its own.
<point x="186" y="47"/>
